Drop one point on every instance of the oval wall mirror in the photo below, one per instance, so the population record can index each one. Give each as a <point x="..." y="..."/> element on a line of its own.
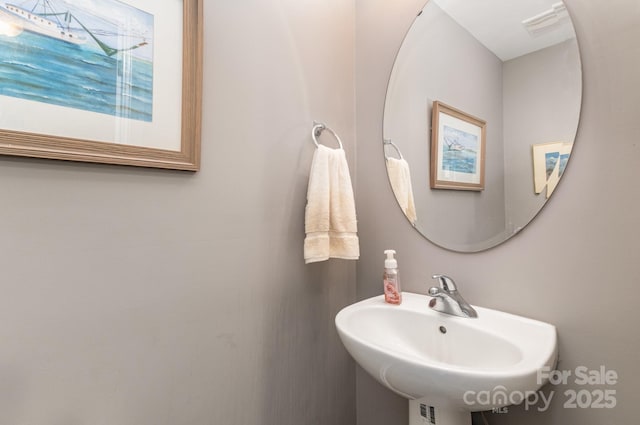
<point x="480" y="117"/>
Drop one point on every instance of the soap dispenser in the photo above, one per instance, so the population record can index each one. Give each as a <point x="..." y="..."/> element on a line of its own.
<point x="391" y="281"/>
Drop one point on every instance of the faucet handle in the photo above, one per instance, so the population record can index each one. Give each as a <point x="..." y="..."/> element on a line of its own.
<point x="446" y="283"/>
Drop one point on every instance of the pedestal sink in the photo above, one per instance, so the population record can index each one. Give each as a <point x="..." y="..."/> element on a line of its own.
<point x="448" y="366"/>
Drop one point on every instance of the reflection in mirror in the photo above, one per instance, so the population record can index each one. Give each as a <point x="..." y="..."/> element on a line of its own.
<point x="513" y="65"/>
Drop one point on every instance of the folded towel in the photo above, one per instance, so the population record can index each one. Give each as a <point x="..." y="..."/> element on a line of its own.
<point x="400" y="178"/>
<point x="330" y="214"/>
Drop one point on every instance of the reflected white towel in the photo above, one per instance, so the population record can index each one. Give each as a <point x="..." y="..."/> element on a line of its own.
<point x="330" y="214"/>
<point x="400" y="178"/>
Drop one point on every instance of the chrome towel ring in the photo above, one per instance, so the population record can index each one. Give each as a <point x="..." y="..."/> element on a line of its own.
<point x="393" y="145"/>
<point x="318" y="128"/>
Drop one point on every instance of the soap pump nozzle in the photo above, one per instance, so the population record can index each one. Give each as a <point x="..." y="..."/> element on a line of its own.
<point x="390" y="262"/>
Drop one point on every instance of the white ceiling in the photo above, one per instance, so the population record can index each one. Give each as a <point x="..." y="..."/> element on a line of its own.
<point x="497" y="24"/>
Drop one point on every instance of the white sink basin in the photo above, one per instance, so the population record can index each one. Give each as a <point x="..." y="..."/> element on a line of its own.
<point x="423" y="354"/>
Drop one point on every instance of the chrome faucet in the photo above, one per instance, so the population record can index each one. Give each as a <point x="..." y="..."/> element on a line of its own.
<point x="446" y="299"/>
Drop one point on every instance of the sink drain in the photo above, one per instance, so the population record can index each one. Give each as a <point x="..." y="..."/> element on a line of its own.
<point x="443" y="329"/>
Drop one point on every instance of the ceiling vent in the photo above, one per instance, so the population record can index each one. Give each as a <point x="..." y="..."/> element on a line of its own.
<point x="546" y="21"/>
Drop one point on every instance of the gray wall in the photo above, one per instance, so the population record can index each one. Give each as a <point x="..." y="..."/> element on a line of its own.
<point x="541" y="87"/>
<point x="132" y="296"/>
<point x="576" y="265"/>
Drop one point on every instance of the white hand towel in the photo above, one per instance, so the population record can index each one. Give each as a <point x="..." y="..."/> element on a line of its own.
<point x="400" y="178"/>
<point x="330" y="214"/>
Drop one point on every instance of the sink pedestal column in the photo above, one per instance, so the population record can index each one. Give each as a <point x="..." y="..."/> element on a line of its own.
<point x="423" y="413"/>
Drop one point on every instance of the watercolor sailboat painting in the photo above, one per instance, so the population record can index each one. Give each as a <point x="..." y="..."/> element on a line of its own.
<point x="93" y="55"/>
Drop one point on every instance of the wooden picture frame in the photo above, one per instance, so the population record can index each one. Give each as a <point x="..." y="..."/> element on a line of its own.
<point x="457" y="149"/>
<point x="176" y="94"/>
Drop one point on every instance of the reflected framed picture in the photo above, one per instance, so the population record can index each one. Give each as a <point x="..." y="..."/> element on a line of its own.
<point x="105" y="81"/>
<point x="457" y="149"/>
<point x="549" y="162"/>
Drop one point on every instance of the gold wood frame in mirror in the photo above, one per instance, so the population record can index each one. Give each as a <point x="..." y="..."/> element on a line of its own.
<point x="458" y="143"/>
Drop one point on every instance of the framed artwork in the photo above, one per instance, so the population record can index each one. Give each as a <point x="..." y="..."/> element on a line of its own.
<point x="457" y="149"/>
<point x="105" y="81"/>
<point x="549" y="162"/>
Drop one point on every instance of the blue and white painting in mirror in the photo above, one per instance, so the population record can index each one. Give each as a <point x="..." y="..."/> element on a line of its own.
<point x="461" y="152"/>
